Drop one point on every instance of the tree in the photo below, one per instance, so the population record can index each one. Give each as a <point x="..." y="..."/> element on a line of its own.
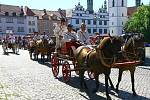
<point x="140" y="22"/>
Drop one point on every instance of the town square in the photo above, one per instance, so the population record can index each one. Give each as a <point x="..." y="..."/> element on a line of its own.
<point x="75" y="50"/>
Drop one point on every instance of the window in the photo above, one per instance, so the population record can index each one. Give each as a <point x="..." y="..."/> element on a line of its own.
<point x="105" y="22"/>
<point x="94" y="22"/>
<point x="100" y="22"/>
<point x="20" y="20"/>
<point x="13" y="14"/>
<point x="122" y="4"/>
<point x="112" y="31"/>
<point x="122" y="23"/>
<point x="89" y="30"/>
<point x="94" y="30"/>
<point x="9" y="28"/>
<point x="33" y="29"/>
<point x="112" y="23"/>
<point x="20" y="29"/>
<point x="0" y="20"/>
<point x="105" y="31"/>
<point x="0" y="29"/>
<point x="29" y="23"/>
<point x="113" y="3"/>
<point x="112" y="14"/>
<point x="9" y="20"/>
<point x="89" y="21"/>
<point x="6" y="14"/>
<point x="30" y="30"/>
<point x="100" y="31"/>
<point x="77" y="21"/>
<point x="83" y="21"/>
<point x="122" y="14"/>
<point x="33" y="23"/>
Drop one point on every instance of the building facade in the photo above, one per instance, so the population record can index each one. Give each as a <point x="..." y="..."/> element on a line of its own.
<point x="117" y="16"/>
<point x="14" y="19"/>
<point x="46" y="20"/>
<point x="95" y="22"/>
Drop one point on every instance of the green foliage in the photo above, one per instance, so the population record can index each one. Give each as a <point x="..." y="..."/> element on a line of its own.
<point x="140" y="22"/>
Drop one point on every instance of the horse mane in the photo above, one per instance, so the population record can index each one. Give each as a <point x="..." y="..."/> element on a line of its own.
<point x="102" y="42"/>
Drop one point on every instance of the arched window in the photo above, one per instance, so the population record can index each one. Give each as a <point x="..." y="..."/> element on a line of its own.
<point x="122" y="4"/>
<point x="113" y="3"/>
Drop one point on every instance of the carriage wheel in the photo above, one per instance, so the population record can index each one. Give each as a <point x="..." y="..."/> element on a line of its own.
<point x="55" y="65"/>
<point x="66" y="71"/>
<point x="91" y="75"/>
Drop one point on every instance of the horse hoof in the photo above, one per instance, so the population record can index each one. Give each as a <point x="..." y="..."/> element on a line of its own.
<point x="116" y="90"/>
<point x="112" y="87"/>
<point x="94" y="91"/>
<point x="109" y="98"/>
<point x="134" y="94"/>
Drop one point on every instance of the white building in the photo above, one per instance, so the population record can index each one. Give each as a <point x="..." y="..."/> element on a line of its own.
<point x="95" y="22"/>
<point x="14" y="19"/>
<point x="117" y="16"/>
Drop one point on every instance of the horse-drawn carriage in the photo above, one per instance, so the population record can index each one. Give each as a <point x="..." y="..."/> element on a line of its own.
<point x="6" y="45"/>
<point x="101" y="59"/>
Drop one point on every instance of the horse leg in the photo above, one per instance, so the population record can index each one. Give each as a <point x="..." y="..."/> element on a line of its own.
<point x="112" y="86"/>
<point x="106" y="86"/>
<point x="119" y="79"/>
<point x="132" y="80"/>
<point x="96" y="76"/>
<point x="82" y="82"/>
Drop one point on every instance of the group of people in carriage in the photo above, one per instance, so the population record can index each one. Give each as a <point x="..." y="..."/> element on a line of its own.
<point x="66" y="36"/>
<point x="10" y="42"/>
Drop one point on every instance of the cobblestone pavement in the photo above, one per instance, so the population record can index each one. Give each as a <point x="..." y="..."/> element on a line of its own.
<point x="24" y="79"/>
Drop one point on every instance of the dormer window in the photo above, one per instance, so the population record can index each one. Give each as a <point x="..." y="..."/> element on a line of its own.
<point x="113" y="3"/>
<point x="6" y="14"/>
<point x="13" y="14"/>
<point x="21" y="14"/>
<point x="122" y="4"/>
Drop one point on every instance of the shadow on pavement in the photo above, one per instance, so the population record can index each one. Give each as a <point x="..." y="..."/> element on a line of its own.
<point x="46" y="63"/>
<point x="74" y="82"/>
<point x="123" y="95"/>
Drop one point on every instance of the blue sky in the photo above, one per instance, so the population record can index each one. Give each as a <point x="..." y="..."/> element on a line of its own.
<point x="55" y="4"/>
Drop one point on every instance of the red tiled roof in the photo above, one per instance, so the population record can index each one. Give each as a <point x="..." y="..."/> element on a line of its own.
<point x="10" y="9"/>
<point x="131" y="10"/>
<point x="29" y="12"/>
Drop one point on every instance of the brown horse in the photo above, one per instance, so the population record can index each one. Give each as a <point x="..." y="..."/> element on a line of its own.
<point x="44" y="47"/>
<point x="132" y="50"/>
<point x="98" y="60"/>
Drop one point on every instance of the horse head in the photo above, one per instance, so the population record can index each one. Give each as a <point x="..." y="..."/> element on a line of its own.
<point x="108" y="50"/>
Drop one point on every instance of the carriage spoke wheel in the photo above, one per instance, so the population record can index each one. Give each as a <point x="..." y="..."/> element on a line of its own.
<point x="90" y="74"/>
<point x="66" y="71"/>
<point x="55" y="65"/>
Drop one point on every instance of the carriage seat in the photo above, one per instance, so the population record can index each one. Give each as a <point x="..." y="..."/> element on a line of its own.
<point x="67" y="47"/>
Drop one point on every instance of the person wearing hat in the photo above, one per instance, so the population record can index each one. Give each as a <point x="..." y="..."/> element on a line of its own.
<point x="12" y="38"/>
<point x="69" y="35"/>
<point x="58" y="32"/>
<point x="44" y="36"/>
<point x="83" y="36"/>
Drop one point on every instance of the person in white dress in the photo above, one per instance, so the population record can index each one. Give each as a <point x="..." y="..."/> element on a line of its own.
<point x="12" y="38"/>
<point x="58" y="32"/>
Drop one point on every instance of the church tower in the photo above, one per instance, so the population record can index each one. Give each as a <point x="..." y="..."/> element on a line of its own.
<point x="117" y="16"/>
<point x="137" y="3"/>
<point x="90" y="6"/>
